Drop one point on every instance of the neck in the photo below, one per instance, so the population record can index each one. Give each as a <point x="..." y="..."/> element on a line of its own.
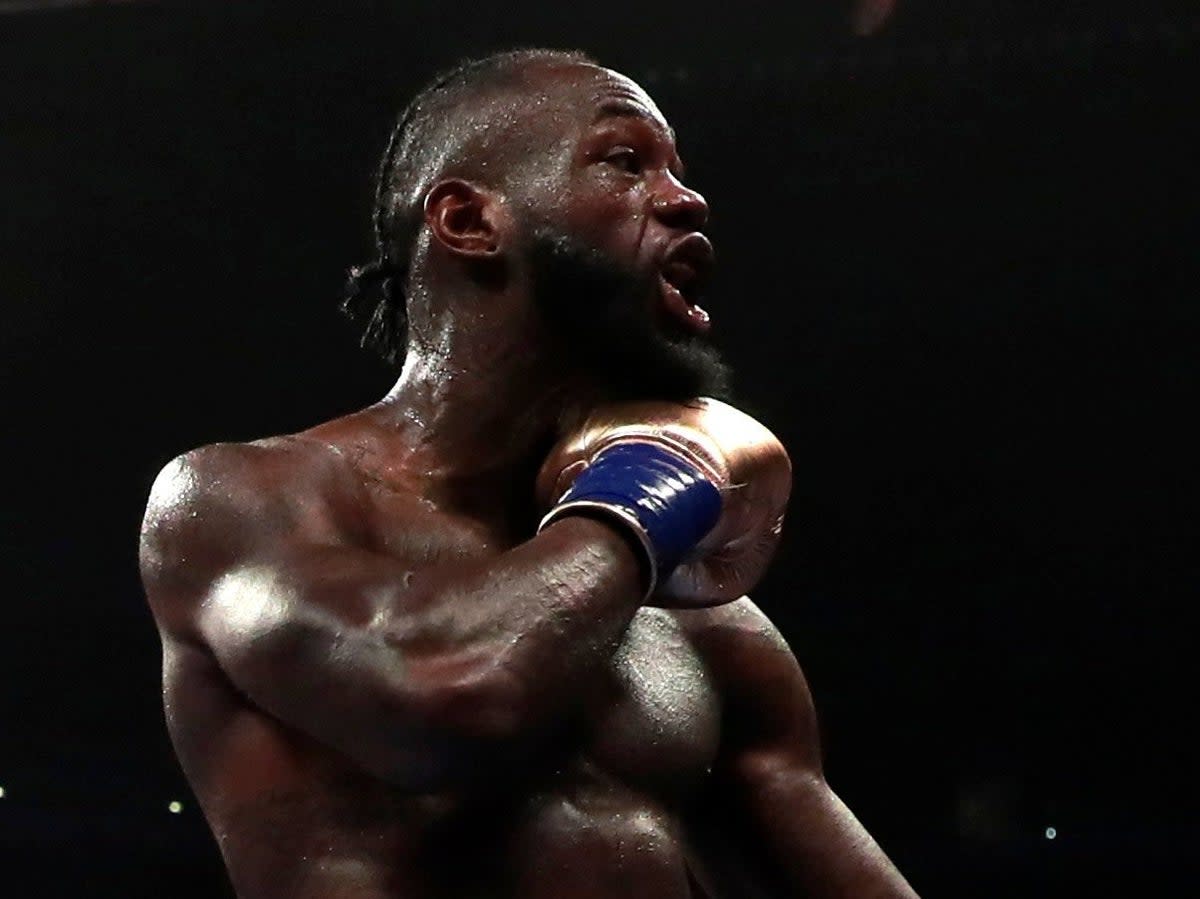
<point x="475" y="410"/>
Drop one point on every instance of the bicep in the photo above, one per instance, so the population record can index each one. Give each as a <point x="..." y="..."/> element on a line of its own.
<point x="771" y="767"/>
<point x="769" y="716"/>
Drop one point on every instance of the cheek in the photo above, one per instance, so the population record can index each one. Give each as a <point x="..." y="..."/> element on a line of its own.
<point x="608" y="216"/>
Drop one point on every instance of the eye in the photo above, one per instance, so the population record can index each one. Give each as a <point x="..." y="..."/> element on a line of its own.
<point x="624" y="158"/>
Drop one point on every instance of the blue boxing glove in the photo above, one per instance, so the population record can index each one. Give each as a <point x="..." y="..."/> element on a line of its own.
<point x="701" y="487"/>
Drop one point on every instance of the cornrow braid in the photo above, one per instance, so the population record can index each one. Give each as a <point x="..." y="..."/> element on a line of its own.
<point x="374" y="293"/>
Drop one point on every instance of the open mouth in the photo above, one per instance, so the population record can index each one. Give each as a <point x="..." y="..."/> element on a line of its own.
<point x="684" y="278"/>
<point x="684" y="274"/>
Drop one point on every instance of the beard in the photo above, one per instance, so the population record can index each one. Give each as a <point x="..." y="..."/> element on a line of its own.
<point x="601" y="312"/>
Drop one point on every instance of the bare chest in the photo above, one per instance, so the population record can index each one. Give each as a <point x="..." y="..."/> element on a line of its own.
<point x="654" y="720"/>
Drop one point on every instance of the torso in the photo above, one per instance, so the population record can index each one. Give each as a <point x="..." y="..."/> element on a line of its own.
<point x="601" y="812"/>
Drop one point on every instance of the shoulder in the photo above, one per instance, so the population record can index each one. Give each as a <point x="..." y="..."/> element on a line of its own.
<point x="763" y="690"/>
<point x="734" y="633"/>
<point x="239" y="467"/>
<point x="217" y="505"/>
<point x="262" y="479"/>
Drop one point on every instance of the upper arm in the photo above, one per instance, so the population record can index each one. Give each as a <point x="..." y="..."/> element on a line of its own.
<point x="243" y="556"/>
<point x="229" y="516"/>
<point x="771" y="763"/>
<point x="769" y="720"/>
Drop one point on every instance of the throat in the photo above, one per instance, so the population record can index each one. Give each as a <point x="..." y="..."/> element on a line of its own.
<point x="467" y="439"/>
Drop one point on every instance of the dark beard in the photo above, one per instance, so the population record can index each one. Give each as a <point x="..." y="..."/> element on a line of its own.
<point x="600" y="310"/>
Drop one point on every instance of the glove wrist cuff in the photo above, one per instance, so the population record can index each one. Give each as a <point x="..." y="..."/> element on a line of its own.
<point x="664" y="499"/>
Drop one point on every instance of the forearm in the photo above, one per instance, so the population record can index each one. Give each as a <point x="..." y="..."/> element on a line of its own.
<point x="499" y="649"/>
<point x="422" y="677"/>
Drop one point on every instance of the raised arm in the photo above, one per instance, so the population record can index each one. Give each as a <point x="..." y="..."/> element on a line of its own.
<point x="418" y="674"/>
<point x="770" y="767"/>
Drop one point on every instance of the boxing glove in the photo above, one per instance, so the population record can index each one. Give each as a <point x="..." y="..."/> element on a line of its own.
<point x="701" y="486"/>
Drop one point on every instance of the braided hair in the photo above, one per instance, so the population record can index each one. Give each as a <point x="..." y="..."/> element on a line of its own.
<point x="374" y="294"/>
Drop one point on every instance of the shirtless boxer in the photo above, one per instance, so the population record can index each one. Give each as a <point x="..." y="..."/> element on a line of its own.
<point x="488" y="637"/>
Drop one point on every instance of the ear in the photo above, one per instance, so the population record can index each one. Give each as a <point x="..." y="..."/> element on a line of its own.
<point x="465" y="218"/>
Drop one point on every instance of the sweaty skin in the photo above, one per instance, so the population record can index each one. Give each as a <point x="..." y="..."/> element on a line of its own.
<point x="379" y="682"/>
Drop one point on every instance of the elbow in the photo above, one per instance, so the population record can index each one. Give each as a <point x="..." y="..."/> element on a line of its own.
<point x="450" y="732"/>
<point x="481" y="705"/>
<point x="441" y="733"/>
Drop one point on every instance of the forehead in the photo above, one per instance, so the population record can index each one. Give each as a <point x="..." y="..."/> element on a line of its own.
<point x="584" y="93"/>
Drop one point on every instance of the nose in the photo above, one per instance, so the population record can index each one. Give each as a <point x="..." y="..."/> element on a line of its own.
<point x="679" y="207"/>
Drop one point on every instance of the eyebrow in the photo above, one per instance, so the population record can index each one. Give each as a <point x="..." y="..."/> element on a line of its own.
<point x="627" y="109"/>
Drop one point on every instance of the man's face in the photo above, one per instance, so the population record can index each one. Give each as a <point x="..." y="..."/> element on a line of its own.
<point x="612" y="240"/>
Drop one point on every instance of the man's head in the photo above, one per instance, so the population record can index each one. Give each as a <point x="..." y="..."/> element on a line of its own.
<point x="546" y="179"/>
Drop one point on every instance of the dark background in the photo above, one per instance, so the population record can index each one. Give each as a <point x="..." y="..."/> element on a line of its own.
<point x="957" y="279"/>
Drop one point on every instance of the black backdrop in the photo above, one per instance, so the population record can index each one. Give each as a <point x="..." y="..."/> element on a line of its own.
<point x="957" y="267"/>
